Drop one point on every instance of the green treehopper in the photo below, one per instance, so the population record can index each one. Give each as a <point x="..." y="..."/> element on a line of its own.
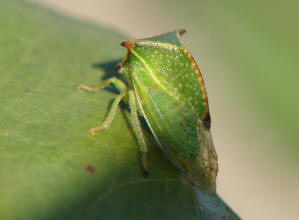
<point x="164" y="85"/>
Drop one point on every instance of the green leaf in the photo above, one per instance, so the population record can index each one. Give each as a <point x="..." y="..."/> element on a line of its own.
<point x="51" y="167"/>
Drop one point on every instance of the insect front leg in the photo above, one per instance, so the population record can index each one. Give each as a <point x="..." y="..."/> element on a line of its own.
<point x="138" y="130"/>
<point x="121" y="86"/>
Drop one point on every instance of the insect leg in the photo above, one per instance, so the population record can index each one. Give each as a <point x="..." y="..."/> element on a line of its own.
<point x="138" y="130"/>
<point x="121" y="86"/>
<point x="110" y="115"/>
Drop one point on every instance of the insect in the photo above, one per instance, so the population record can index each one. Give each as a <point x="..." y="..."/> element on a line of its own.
<point x="164" y="85"/>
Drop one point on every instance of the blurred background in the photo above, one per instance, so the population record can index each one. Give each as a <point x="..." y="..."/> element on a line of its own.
<point x="248" y="54"/>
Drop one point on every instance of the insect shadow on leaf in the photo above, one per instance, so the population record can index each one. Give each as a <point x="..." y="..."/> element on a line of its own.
<point x="109" y="68"/>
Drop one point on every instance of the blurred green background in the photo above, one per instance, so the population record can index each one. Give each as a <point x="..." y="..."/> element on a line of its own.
<point x="248" y="54"/>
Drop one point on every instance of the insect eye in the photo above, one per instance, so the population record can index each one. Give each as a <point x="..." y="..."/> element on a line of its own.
<point x="119" y="68"/>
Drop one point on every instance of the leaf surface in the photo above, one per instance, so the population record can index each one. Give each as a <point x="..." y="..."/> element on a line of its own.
<point x="51" y="167"/>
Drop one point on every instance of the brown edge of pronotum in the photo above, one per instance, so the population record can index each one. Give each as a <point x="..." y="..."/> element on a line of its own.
<point x="207" y="118"/>
<point x="127" y="44"/>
